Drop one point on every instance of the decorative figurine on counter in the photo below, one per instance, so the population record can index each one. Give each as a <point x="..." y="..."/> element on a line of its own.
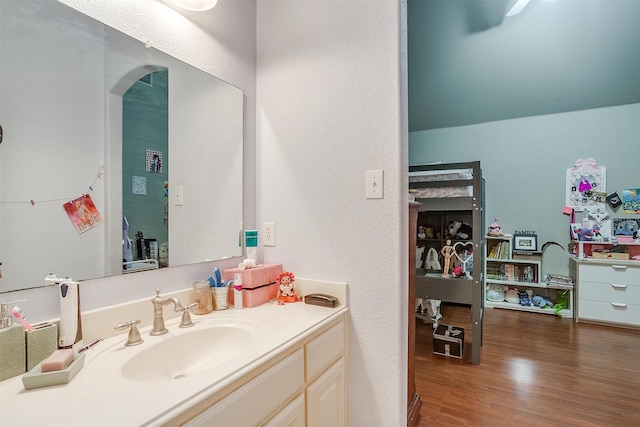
<point x="447" y="252"/>
<point x="286" y="291"/>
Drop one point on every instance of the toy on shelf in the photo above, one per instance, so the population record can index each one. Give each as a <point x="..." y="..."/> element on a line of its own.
<point x="541" y="302"/>
<point x="458" y="271"/>
<point x="447" y="252"/>
<point x="512" y="295"/>
<point x="496" y="293"/>
<point x="459" y="230"/>
<point x="495" y="229"/>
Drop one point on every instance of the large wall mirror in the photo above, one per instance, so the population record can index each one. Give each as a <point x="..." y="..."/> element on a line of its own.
<point x="87" y="110"/>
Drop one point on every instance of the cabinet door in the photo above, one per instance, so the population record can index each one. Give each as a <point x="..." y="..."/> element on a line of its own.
<point x="326" y="397"/>
<point x="262" y="395"/>
<point x="291" y="415"/>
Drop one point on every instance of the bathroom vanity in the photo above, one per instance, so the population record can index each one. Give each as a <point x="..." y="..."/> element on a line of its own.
<point x="267" y="365"/>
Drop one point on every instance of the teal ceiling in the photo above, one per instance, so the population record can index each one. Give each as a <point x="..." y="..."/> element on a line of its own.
<point x="468" y="63"/>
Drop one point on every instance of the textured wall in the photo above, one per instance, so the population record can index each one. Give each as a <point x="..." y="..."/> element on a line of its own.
<point x="329" y="108"/>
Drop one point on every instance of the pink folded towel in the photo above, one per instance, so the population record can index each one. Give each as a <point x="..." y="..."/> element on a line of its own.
<point x="58" y="360"/>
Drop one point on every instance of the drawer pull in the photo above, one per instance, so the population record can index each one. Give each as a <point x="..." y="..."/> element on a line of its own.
<point x="619" y="267"/>
<point x="617" y="286"/>
<point x="618" y="305"/>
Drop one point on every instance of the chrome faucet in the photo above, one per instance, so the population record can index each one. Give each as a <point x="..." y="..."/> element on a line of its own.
<point x="158" y="319"/>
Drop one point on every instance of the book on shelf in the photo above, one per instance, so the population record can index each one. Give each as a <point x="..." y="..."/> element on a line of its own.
<point x="499" y="250"/>
<point x="516" y="273"/>
<point x="492" y="252"/>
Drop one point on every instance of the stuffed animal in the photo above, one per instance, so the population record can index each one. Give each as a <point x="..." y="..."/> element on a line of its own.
<point x="562" y="303"/>
<point x="512" y="296"/>
<point x="542" y="302"/>
<point x="429" y="232"/>
<point x="422" y="232"/>
<point x="459" y="230"/>
<point x="496" y="292"/>
<point x="495" y="229"/>
<point x="524" y="299"/>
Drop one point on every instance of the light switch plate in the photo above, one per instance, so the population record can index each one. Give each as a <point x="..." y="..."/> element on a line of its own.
<point x="178" y="195"/>
<point x="375" y="184"/>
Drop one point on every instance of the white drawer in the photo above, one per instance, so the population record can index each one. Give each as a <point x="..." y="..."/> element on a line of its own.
<point x="324" y="350"/>
<point x="609" y="292"/>
<point x="610" y="273"/>
<point x="608" y="312"/>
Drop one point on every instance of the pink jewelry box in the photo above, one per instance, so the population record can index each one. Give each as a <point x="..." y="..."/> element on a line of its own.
<point x="256" y="276"/>
<point x="256" y="296"/>
<point x="258" y="284"/>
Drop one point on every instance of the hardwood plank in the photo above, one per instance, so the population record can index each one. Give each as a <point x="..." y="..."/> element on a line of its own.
<point x="536" y="370"/>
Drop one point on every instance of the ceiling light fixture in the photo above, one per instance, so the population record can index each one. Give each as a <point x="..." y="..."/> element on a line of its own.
<point x="517" y="7"/>
<point x="196" y="5"/>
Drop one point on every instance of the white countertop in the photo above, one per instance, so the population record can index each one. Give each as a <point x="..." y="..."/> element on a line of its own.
<point x="100" y="396"/>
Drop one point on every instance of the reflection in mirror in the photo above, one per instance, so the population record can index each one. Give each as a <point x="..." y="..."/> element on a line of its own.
<point x="145" y="192"/>
<point x="62" y="98"/>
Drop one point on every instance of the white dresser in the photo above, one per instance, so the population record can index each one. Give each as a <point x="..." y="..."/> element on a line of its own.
<point x="607" y="291"/>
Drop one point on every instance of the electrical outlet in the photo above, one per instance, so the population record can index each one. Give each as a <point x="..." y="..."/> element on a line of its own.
<point x="269" y="229"/>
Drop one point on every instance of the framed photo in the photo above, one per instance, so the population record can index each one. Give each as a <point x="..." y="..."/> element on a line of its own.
<point x="525" y="242"/>
<point x="626" y="226"/>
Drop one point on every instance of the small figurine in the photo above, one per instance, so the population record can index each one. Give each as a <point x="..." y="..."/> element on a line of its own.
<point x="495" y="230"/>
<point x="447" y="252"/>
<point x="286" y="291"/>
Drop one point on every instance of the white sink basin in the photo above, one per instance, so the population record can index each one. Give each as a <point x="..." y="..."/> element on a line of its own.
<point x="181" y="353"/>
<point x="189" y="353"/>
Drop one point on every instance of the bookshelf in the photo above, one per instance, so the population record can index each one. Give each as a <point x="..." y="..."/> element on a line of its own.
<point x="519" y="273"/>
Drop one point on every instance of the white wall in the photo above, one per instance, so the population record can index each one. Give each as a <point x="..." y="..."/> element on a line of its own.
<point x="525" y="160"/>
<point x="328" y="109"/>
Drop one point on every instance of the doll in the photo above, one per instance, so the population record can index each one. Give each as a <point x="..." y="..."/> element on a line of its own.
<point x="286" y="291"/>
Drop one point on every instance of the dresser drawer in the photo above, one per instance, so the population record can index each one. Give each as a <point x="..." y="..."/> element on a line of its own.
<point x="609" y="312"/>
<point x="610" y="273"/>
<point x="609" y="292"/>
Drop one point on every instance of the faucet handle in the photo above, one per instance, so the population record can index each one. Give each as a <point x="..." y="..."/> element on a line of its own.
<point x="134" y="334"/>
<point x="186" y="315"/>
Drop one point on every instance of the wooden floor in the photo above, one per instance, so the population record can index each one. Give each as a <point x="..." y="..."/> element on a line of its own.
<point x="536" y="370"/>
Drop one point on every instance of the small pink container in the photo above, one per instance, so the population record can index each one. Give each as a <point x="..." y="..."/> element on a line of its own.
<point x="256" y="296"/>
<point x="254" y="277"/>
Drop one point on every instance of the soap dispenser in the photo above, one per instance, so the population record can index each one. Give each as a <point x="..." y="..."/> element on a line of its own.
<point x="13" y="354"/>
<point x="70" y="324"/>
